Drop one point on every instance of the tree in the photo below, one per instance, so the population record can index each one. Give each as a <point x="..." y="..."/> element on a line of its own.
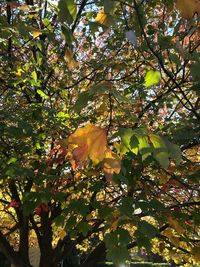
<point x="100" y="133"/>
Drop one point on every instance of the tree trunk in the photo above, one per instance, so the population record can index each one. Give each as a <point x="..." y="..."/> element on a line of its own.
<point x="46" y="249"/>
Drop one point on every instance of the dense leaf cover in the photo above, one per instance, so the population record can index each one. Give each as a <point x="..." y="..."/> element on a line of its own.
<point x="99" y="144"/>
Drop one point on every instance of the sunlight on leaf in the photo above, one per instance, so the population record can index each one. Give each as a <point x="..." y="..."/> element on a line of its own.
<point x="62" y="234"/>
<point x="111" y="163"/>
<point x="152" y="78"/>
<point x="36" y="33"/>
<point x="160" y="151"/>
<point x="90" y="143"/>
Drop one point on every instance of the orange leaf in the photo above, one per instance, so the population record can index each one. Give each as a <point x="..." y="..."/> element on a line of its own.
<point x="90" y="142"/>
<point x="111" y="163"/>
<point x="188" y="8"/>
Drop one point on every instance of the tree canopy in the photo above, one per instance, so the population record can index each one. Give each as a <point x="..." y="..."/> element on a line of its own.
<point x="99" y="130"/>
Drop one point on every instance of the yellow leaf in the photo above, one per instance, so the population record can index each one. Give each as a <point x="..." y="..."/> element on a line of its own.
<point x="36" y="33"/>
<point x="195" y="254"/>
<point x="90" y="143"/>
<point x="188" y="8"/>
<point x="62" y="234"/>
<point x="176" y="225"/>
<point x="19" y="72"/>
<point x="172" y="237"/>
<point x="24" y="7"/>
<point x="71" y="62"/>
<point x="103" y="18"/>
<point x="111" y="163"/>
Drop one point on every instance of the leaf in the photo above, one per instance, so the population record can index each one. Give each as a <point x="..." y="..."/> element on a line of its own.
<point x="42" y="94"/>
<point x="103" y="18"/>
<point x="83" y="227"/>
<point x="108" y="5"/>
<point x="67" y="11"/>
<point x="67" y="35"/>
<point x="24" y="7"/>
<point x="130" y="35"/>
<point x="194" y="70"/>
<point x="152" y="78"/>
<point x="111" y="163"/>
<point x="160" y="151"/>
<point x="188" y="8"/>
<point x="90" y="142"/>
<point x="62" y="234"/>
<point x="147" y="229"/>
<point x="34" y="75"/>
<point x="71" y="62"/>
<point x="36" y="33"/>
<point x="116" y="243"/>
<point x="174" y="152"/>
<point x="195" y="254"/>
<point x="128" y="142"/>
<point x="176" y="225"/>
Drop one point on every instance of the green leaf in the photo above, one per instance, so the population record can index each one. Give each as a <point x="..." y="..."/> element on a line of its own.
<point x="174" y="152"/>
<point x="147" y="229"/>
<point x="80" y="207"/>
<point x="126" y="207"/>
<point x="123" y="236"/>
<point x="160" y="151"/>
<point x="67" y="11"/>
<point x="152" y="78"/>
<point x="83" y="227"/>
<point x="116" y="244"/>
<point x="108" y="5"/>
<point x="11" y="160"/>
<point x="144" y="146"/>
<point x="119" y="254"/>
<point x="42" y="94"/>
<point x="82" y="101"/>
<point x="67" y="35"/>
<point x="195" y="70"/>
<point x="128" y="141"/>
<point x="34" y="75"/>
<point x="143" y="241"/>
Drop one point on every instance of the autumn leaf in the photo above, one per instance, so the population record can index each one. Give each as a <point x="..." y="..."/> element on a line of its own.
<point x="175" y="225"/>
<point x="36" y="33"/>
<point x="90" y="142"/>
<point x="172" y="237"/>
<point x="62" y="234"/>
<point x="71" y="62"/>
<point x="111" y="163"/>
<point x="103" y="18"/>
<point x="188" y="8"/>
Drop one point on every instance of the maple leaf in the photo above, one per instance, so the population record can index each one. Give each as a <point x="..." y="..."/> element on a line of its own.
<point x="90" y="142"/>
<point x="188" y="8"/>
<point x="111" y="163"/>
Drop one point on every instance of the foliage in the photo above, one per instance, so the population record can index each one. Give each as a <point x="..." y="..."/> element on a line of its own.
<point x="99" y="130"/>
